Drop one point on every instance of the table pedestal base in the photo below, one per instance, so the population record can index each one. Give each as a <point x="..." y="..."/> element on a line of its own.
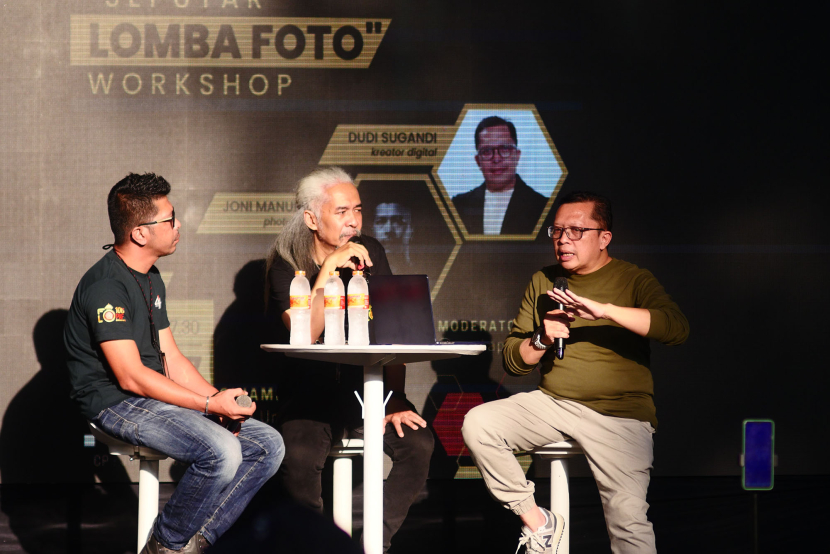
<point x="374" y="412"/>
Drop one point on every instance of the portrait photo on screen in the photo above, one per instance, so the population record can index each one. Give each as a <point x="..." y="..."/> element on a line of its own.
<point x="500" y="172"/>
<point x="404" y="217"/>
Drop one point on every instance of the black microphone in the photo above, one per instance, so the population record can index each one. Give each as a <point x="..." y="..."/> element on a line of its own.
<point x="355" y="260"/>
<point x="560" y="283"/>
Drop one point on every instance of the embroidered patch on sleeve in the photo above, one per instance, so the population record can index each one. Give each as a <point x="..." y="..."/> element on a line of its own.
<point x="108" y="314"/>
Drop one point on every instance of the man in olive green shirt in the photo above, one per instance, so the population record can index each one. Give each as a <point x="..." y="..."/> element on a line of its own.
<point x="600" y="394"/>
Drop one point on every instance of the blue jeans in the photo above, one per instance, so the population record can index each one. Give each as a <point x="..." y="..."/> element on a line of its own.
<point x="224" y="474"/>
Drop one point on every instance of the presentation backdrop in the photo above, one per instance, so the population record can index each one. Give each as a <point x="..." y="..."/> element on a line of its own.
<point x="703" y="125"/>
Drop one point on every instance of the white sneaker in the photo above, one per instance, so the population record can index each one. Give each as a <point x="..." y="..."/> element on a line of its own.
<point x="545" y="540"/>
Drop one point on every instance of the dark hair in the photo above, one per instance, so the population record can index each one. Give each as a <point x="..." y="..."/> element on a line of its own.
<point x="602" y="206"/>
<point x="495" y="121"/>
<point x="130" y="202"/>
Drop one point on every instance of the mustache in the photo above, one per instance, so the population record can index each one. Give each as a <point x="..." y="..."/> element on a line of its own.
<point x="348" y="235"/>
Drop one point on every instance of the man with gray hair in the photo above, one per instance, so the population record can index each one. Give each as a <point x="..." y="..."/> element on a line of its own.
<point x="317" y="403"/>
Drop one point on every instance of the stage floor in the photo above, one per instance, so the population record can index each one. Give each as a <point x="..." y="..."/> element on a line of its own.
<point x="695" y="515"/>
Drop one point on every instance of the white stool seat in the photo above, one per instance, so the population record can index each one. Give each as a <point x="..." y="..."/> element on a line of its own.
<point x="148" y="478"/>
<point x="342" y="481"/>
<point x="564" y="449"/>
<point x="560" y="503"/>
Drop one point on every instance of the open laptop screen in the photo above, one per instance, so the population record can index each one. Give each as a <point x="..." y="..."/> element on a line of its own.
<point x="401" y="309"/>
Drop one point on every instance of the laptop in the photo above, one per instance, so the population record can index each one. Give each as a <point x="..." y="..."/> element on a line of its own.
<point x="401" y="310"/>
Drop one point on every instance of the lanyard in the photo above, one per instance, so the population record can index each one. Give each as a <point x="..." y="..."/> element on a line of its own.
<point x="153" y="333"/>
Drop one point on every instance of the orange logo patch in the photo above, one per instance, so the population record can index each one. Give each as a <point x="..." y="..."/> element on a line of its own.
<point x="108" y="314"/>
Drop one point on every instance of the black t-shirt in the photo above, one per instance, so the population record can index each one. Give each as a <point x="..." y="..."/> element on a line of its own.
<point x="305" y="373"/>
<point x="109" y="304"/>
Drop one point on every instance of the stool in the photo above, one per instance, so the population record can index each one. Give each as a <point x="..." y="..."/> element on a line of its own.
<point x="148" y="478"/>
<point x="342" y="485"/>
<point x="560" y="503"/>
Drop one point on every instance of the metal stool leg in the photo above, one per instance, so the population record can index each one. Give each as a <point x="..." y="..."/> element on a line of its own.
<point x="148" y="479"/>
<point x="560" y="501"/>
<point x="342" y="494"/>
<point x="148" y="499"/>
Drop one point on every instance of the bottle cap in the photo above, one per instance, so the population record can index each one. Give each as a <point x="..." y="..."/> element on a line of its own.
<point x="300" y="272"/>
<point x="357" y="273"/>
<point x="337" y="273"/>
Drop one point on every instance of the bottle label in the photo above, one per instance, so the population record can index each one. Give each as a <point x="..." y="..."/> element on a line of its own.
<point x="359" y="301"/>
<point x="336" y="301"/>
<point x="298" y="302"/>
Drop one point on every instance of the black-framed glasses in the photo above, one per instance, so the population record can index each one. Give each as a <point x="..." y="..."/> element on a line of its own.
<point x="171" y="219"/>
<point x="573" y="233"/>
<point x="504" y="150"/>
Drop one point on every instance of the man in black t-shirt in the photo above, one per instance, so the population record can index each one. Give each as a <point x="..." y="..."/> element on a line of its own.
<point x="318" y="406"/>
<point x="131" y="380"/>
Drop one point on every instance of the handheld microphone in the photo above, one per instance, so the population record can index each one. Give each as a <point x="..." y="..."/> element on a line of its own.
<point x="366" y="269"/>
<point x="233" y="425"/>
<point x="560" y="283"/>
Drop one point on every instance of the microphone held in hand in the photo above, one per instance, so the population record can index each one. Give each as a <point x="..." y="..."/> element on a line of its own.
<point x="357" y="240"/>
<point x="560" y="283"/>
<point x="233" y="425"/>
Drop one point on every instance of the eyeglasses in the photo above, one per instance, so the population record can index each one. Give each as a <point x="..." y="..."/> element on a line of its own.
<point x="504" y="151"/>
<point x="574" y="233"/>
<point x="171" y="219"/>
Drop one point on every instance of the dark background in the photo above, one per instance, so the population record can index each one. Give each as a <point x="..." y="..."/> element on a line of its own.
<point x="705" y="123"/>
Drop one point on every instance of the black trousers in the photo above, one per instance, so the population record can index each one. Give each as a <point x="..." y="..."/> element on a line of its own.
<point x="312" y="422"/>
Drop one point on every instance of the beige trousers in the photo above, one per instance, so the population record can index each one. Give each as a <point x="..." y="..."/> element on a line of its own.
<point x="620" y="452"/>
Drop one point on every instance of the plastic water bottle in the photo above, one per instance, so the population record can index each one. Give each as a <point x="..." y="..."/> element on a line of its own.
<point x="335" y="296"/>
<point x="300" y="313"/>
<point x="358" y="310"/>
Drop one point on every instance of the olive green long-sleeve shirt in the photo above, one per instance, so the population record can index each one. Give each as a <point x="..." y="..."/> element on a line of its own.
<point x="606" y="367"/>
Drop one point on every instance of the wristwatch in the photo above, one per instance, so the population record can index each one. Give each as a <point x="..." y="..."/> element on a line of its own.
<point x="536" y="341"/>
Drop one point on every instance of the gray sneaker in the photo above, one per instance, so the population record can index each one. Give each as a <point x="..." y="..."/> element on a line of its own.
<point x="546" y="539"/>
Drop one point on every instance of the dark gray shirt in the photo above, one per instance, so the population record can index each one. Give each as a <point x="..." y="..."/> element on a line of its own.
<point x="109" y="304"/>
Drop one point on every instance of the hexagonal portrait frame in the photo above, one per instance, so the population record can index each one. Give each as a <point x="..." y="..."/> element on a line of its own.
<point x="540" y="168"/>
<point x="424" y="228"/>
